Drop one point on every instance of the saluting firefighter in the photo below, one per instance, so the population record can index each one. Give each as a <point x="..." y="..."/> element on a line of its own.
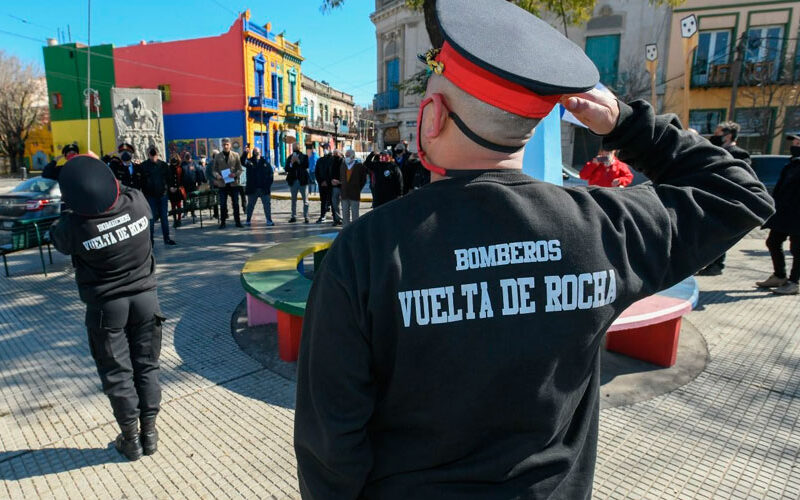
<point x="53" y="169"/>
<point x="106" y="233"/>
<point x="464" y="361"/>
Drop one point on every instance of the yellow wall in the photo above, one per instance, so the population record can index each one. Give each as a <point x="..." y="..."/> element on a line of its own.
<point x="68" y="131"/>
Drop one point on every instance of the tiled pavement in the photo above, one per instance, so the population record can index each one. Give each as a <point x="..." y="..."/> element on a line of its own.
<point x="226" y="423"/>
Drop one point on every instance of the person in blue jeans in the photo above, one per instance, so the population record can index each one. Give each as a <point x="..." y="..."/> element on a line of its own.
<point x="259" y="185"/>
<point x="155" y="173"/>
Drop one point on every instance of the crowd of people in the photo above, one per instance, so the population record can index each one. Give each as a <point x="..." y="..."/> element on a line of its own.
<point x="248" y="178"/>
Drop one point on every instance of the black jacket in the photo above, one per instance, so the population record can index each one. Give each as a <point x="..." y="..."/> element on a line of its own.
<point x="297" y="170"/>
<point x="787" y="200"/>
<point x="407" y="168"/>
<point x="739" y="153"/>
<point x="259" y="175"/>
<point x="51" y="170"/>
<point x="464" y="361"/>
<point x="123" y="174"/>
<point x="192" y="176"/>
<point x="322" y="171"/>
<point x="336" y="167"/>
<point x="111" y="252"/>
<point x="386" y="180"/>
<point x="155" y="178"/>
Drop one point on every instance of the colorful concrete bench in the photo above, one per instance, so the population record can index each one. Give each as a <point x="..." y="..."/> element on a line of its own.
<point x="649" y="329"/>
<point x="277" y="288"/>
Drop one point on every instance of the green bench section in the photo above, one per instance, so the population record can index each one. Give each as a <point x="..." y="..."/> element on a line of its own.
<point x="277" y="288"/>
<point x="20" y="235"/>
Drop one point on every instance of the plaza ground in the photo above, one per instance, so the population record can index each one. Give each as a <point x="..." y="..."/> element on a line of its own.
<point x="226" y="422"/>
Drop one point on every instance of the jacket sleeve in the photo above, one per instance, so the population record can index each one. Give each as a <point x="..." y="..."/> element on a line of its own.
<point x="399" y="181"/>
<point x="61" y="235"/>
<point x="626" y="176"/>
<point x="588" y="170"/>
<point x="700" y="203"/>
<point x="49" y="170"/>
<point x="336" y="392"/>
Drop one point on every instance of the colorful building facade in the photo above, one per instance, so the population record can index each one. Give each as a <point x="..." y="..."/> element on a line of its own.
<point x="763" y="35"/>
<point x="243" y="84"/>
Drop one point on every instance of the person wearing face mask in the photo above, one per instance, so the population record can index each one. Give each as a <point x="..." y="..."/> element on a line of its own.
<point x="259" y="185"/>
<point x="606" y="170"/>
<point x="297" y="178"/>
<point x="53" y="169"/>
<point x="386" y="179"/>
<point x="785" y="224"/>
<point x="322" y="173"/>
<point x="125" y="170"/>
<point x="464" y="359"/>
<point x="401" y="156"/>
<point x="353" y="176"/>
<point x="155" y="186"/>
<point x="725" y="137"/>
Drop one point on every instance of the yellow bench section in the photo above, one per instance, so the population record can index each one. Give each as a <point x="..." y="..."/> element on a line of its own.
<point x="277" y="290"/>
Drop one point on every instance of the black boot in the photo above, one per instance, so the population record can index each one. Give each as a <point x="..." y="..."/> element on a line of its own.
<point x="149" y="435"/>
<point x="128" y="443"/>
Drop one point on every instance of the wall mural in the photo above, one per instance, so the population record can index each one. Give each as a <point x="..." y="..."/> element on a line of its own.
<point x="138" y="119"/>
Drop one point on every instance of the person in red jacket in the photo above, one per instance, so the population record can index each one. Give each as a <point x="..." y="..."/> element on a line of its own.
<point x="606" y="170"/>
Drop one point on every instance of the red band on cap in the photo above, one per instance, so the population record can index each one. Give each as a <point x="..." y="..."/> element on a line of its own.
<point x="493" y="89"/>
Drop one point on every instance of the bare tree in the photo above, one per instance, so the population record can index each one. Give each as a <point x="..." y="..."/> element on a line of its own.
<point x="765" y="87"/>
<point x="633" y="81"/>
<point x="21" y="95"/>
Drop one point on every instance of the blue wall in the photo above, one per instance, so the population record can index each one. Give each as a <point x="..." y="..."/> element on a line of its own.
<point x="202" y="125"/>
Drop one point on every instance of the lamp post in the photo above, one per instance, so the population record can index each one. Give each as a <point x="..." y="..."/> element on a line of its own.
<point x="336" y="121"/>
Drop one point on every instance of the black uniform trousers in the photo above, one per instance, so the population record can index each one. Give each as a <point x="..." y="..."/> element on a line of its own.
<point x="775" y="245"/>
<point x="233" y="192"/>
<point x="325" y="193"/>
<point x="125" y="341"/>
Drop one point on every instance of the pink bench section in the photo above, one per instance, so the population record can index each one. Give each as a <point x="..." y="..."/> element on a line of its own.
<point x="649" y="329"/>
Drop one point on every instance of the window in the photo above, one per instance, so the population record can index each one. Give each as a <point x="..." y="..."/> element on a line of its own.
<point x="258" y="74"/>
<point x="711" y="58"/>
<point x="321" y="112"/>
<point x="705" y="120"/>
<point x="763" y="52"/>
<point x="165" y="92"/>
<point x="280" y="88"/>
<point x="311" y="110"/>
<point x="274" y="83"/>
<point x="756" y="129"/>
<point x="604" y="52"/>
<point x="392" y="74"/>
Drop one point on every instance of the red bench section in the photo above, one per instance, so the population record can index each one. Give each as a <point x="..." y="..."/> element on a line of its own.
<point x="649" y="329"/>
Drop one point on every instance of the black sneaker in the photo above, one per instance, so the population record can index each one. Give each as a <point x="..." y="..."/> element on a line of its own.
<point x="169" y="242"/>
<point x="129" y="447"/>
<point x="239" y="224"/>
<point x="222" y="225"/>
<point x="293" y="219"/>
<point x="712" y="270"/>
<point x="306" y="221"/>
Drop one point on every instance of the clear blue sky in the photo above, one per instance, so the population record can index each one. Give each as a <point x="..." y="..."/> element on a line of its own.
<point x="339" y="47"/>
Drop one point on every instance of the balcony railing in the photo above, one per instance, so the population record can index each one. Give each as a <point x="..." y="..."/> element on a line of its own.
<point x="260" y="31"/>
<point x="263" y="102"/>
<point x="721" y="75"/>
<point x="387" y="100"/>
<point x="294" y="109"/>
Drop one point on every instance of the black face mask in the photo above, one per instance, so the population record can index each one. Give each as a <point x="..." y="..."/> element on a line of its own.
<point x="126" y="156"/>
<point x="716" y="140"/>
<point x="795" y="151"/>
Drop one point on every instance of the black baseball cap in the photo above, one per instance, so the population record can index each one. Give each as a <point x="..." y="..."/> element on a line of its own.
<point x="88" y="186"/>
